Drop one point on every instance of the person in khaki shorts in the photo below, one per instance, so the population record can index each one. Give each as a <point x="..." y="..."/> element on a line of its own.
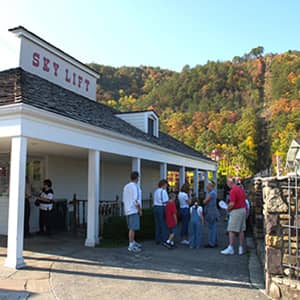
<point x="237" y="219"/>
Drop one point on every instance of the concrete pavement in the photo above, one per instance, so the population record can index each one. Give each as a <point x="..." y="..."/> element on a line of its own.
<point x="62" y="268"/>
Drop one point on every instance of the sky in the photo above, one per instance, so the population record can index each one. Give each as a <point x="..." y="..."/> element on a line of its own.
<point x="165" y="33"/>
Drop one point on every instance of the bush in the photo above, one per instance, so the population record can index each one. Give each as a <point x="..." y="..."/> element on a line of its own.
<point x="115" y="228"/>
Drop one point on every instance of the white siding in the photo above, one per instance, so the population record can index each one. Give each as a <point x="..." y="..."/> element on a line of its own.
<point x="69" y="176"/>
<point x="3" y="214"/>
<point x="150" y="178"/>
<point x="138" y="120"/>
<point x="114" y="176"/>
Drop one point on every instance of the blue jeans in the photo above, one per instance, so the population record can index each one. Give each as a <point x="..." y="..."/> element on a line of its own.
<point x="195" y="234"/>
<point x="160" y="224"/>
<point x="184" y="212"/>
<point x="212" y="234"/>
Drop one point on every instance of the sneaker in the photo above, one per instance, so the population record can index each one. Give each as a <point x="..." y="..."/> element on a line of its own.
<point x="185" y="242"/>
<point x="228" y="251"/>
<point x="167" y="245"/>
<point x="137" y="244"/>
<point x="241" y="250"/>
<point x="134" y="249"/>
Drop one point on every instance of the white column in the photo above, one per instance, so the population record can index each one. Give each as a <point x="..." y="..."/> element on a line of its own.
<point x="93" y="197"/>
<point x="98" y="203"/>
<point x="16" y="203"/>
<point x="205" y="180"/>
<point x="196" y="183"/>
<point x="163" y="171"/>
<point x="215" y="179"/>
<point x="181" y="176"/>
<point x="136" y="165"/>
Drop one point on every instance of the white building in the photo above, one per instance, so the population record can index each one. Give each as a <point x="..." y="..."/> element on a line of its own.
<point x="52" y="127"/>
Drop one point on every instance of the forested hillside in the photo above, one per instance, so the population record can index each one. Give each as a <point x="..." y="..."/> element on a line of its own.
<point x="246" y="110"/>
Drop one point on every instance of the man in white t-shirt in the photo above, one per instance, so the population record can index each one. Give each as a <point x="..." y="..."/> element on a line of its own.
<point x="132" y="200"/>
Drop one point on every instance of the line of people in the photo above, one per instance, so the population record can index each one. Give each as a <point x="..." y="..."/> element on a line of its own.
<point x="192" y="215"/>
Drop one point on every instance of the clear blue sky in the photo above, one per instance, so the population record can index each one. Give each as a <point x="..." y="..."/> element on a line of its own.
<point x="165" y="33"/>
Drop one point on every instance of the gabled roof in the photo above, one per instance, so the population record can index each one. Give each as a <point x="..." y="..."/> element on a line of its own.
<point x="139" y="112"/>
<point x="17" y="85"/>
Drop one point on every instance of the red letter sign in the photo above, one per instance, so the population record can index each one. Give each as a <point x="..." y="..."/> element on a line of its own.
<point x="87" y="82"/>
<point x="35" y="59"/>
<point x="68" y="79"/>
<point x="55" y="66"/>
<point x="46" y="63"/>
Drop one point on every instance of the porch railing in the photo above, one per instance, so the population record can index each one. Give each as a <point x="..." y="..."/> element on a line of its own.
<point x="78" y="212"/>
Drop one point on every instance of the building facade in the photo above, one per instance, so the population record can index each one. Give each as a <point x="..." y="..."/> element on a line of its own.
<point x="52" y="127"/>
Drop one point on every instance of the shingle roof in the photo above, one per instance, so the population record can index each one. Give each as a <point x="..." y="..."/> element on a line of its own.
<point x="17" y="85"/>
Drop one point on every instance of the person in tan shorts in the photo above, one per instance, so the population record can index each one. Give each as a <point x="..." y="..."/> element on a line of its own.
<point x="237" y="219"/>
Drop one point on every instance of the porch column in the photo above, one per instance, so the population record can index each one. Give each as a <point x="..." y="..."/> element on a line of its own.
<point x="136" y="165"/>
<point x="196" y="183"/>
<point x="215" y="179"/>
<point x="205" y="180"/>
<point x="181" y="176"/>
<point x="163" y="171"/>
<point x="16" y="203"/>
<point x="93" y="198"/>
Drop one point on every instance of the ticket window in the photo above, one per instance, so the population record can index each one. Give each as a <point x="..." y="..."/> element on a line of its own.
<point x="4" y="176"/>
<point x="35" y="176"/>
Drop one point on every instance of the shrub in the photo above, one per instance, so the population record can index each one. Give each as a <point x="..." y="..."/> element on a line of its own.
<point x="115" y="228"/>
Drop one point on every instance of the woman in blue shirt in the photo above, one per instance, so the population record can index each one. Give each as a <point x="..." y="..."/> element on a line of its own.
<point x="211" y="214"/>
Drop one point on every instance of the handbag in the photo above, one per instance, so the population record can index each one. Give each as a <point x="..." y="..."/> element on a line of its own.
<point x="37" y="202"/>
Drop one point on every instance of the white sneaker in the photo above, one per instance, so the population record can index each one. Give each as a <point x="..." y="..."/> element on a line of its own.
<point x="241" y="250"/>
<point x="134" y="249"/>
<point x="185" y="242"/>
<point x="228" y="251"/>
<point x="137" y="244"/>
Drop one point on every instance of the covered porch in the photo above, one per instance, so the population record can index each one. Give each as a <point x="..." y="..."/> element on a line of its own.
<point x="91" y="174"/>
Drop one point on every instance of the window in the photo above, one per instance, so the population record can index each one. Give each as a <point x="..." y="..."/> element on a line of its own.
<point x="150" y="126"/>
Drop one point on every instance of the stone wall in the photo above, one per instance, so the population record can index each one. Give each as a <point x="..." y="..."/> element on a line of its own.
<point x="274" y="205"/>
<point x="255" y="196"/>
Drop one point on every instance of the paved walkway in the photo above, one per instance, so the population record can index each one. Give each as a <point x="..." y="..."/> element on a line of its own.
<point x="62" y="268"/>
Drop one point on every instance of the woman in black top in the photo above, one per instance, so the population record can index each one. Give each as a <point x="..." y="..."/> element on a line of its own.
<point x="46" y="205"/>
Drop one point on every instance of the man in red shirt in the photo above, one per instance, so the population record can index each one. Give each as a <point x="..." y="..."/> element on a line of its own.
<point x="171" y="220"/>
<point x="237" y="218"/>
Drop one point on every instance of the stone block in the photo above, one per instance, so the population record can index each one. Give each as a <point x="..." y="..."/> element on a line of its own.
<point x="288" y="272"/>
<point x="274" y="241"/>
<point x="284" y="222"/>
<point x="271" y="223"/>
<point x="289" y="259"/>
<point x="275" y="203"/>
<point x="284" y="217"/>
<point x="297" y="221"/>
<point x="274" y="291"/>
<point x="273" y="261"/>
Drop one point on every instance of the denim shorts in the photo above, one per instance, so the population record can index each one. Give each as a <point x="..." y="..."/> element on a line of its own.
<point x="173" y="230"/>
<point x="133" y="221"/>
